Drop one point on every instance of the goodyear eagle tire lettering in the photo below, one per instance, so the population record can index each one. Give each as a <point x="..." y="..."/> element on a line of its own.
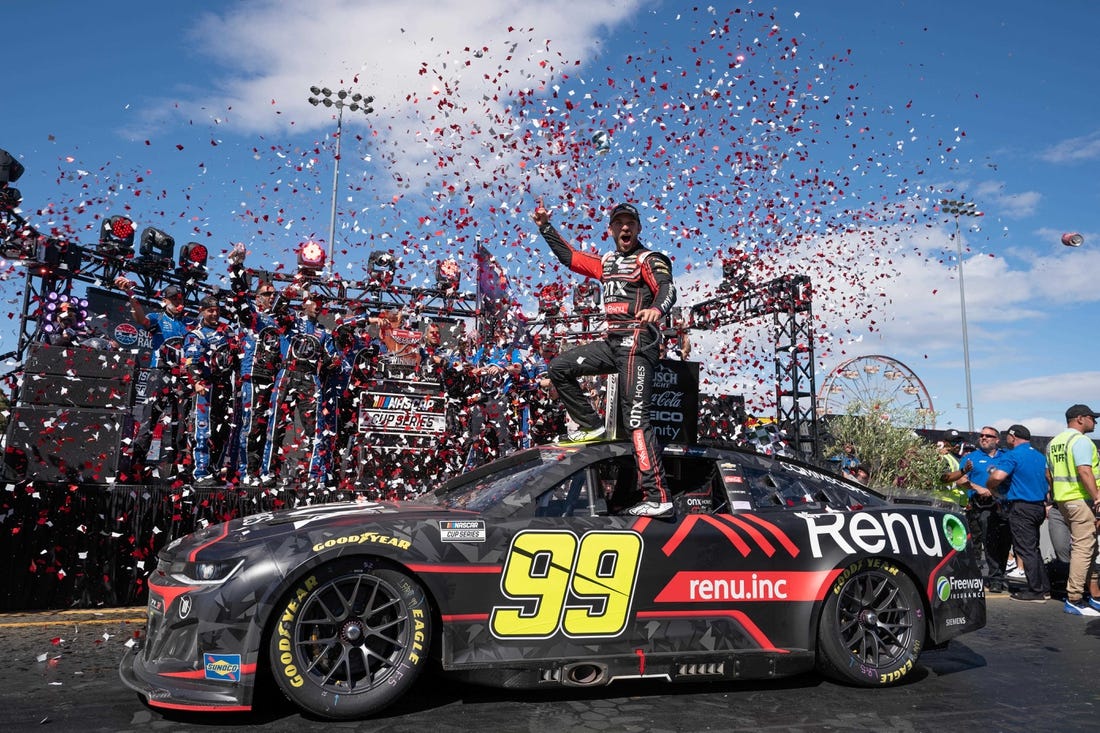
<point x="350" y="639"/>
<point x="872" y="627"/>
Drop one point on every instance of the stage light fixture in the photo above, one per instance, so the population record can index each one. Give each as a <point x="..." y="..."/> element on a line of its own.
<point x="20" y="243"/>
<point x="192" y="260"/>
<point x="586" y="297"/>
<point x="59" y="254"/>
<point x="10" y="168"/>
<point x="10" y="198"/>
<point x="448" y="275"/>
<point x="311" y="259"/>
<point x="550" y="299"/>
<point x="116" y="236"/>
<point x="157" y="249"/>
<point x="380" y="269"/>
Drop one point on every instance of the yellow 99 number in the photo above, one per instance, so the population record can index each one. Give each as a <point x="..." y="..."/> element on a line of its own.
<point x="581" y="587"/>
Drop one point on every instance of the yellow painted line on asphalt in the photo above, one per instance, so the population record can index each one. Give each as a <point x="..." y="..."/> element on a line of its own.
<point x="40" y="619"/>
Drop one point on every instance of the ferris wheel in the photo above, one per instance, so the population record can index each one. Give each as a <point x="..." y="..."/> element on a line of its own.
<point x="875" y="381"/>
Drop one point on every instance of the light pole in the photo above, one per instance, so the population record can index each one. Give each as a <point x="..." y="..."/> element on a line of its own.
<point x="354" y="102"/>
<point x="959" y="208"/>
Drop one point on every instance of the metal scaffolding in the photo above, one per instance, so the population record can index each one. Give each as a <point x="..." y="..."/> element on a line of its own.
<point x="788" y="299"/>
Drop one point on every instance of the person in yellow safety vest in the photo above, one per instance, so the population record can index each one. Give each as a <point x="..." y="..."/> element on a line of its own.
<point x="949" y="452"/>
<point x="1072" y="467"/>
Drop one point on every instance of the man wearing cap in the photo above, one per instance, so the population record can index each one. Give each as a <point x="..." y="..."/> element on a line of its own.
<point x="1024" y="471"/>
<point x="166" y="400"/>
<point x="638" y="294"/>
<point x="1072" y="468"/>
<point x="984" y="510"/>
<point x="210" y="358"/>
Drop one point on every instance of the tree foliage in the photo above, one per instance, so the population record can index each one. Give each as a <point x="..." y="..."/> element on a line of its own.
<point x="899" y="461"/>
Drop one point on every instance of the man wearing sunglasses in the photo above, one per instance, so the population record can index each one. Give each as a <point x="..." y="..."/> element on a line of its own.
<point x="984" y="509"/>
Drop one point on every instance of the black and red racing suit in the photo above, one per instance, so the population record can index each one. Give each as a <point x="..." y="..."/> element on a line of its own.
<point x="632" y="282"/>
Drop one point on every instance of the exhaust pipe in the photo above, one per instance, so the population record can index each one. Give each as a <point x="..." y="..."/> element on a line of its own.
<point x="584" y="674"/>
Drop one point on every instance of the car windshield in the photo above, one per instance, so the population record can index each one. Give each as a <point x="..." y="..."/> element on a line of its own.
<point x="495" y="484"/>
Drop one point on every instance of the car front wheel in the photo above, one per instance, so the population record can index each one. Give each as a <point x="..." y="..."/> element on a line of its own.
<point x="872" y="626"/>
<point x="349" y="639"/>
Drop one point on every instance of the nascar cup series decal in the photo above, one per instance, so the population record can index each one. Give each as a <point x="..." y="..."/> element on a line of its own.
<point x="462" y="530"/>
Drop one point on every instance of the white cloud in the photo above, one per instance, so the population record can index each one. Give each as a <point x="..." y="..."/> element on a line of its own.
<point x="278" y="49"/>
<point x="1074" y="150"/>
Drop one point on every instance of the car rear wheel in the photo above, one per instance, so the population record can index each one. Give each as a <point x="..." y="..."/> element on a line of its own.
<point x="872" y="627"/>
<point x="349" y="639"/>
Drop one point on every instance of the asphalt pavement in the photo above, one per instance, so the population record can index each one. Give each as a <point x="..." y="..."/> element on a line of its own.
<point x="1032" y="668"/>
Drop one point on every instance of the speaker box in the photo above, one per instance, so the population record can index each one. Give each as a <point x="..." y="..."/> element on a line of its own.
<point x="65" y="443"/>
<point x="52" y="389"/>
<point x="78" y="361"/>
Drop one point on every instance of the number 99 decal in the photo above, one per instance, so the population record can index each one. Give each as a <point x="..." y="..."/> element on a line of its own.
<point x="583" y="588"/>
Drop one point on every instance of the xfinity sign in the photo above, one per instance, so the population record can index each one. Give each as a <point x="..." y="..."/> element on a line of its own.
<point x="901" y="534"/>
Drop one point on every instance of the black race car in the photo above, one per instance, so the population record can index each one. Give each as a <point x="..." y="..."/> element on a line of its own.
<point x="522" y="574"/>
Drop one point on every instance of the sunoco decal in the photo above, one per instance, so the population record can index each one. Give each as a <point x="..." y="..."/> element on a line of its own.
<point x="226" y="667"/>
<point x="462" y="530"/>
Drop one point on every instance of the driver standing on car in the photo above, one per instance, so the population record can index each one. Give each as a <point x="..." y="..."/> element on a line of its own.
<point x="638" y="294"/>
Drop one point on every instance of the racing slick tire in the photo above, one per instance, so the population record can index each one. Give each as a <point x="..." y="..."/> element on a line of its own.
<point x="872" y="627"/>
<point x="349" y="638"/>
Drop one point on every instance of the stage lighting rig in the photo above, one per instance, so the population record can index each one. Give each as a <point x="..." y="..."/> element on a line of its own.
<point x="380" y="269"/>
<point x="10" y="168"/>
<point x="116" y="237"/>
<point x="550" y="300"/>
<point x="157" y="250"/>
<point x="192" y="261"/>
<point x="586" y="297"/>
<point x="10" y="198"/>
<point x="448" y="275"/>
<point x="20" y="240"/>
<point x="311" y="259"/>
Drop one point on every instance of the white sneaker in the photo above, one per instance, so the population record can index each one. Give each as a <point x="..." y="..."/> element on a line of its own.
<point x="584" y="436"/>
<point x="1016" y="574"/>
<point x="651" y="509"/>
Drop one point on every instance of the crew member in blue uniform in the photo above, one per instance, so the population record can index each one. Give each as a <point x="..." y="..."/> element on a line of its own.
<point x="167" y="394"/>
<point x="210" y="357"/>
<point x="496" y="366"/>
<point x="638" y="294"/>
<point x="307" y="351"/>
<point x="259" y="361"/>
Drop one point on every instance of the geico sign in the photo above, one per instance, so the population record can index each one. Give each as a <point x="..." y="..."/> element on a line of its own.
<point x="903" y="534"/>
<point x="666" y="416"/>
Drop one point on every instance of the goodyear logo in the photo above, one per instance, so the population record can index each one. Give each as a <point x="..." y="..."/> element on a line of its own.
<point x="222" y="667"/>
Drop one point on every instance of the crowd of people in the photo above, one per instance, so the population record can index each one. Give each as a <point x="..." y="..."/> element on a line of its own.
<point x="1009" y="495"/>
<point x="228" y="386"/>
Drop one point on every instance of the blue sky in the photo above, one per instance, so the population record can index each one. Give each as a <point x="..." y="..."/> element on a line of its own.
<point x="812" y="137"/>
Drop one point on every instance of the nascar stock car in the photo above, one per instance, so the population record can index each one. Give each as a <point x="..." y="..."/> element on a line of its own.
<point x="522" y="574"/>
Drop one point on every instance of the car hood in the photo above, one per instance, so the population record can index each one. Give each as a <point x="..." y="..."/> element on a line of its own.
<point x="266" y="526"/>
